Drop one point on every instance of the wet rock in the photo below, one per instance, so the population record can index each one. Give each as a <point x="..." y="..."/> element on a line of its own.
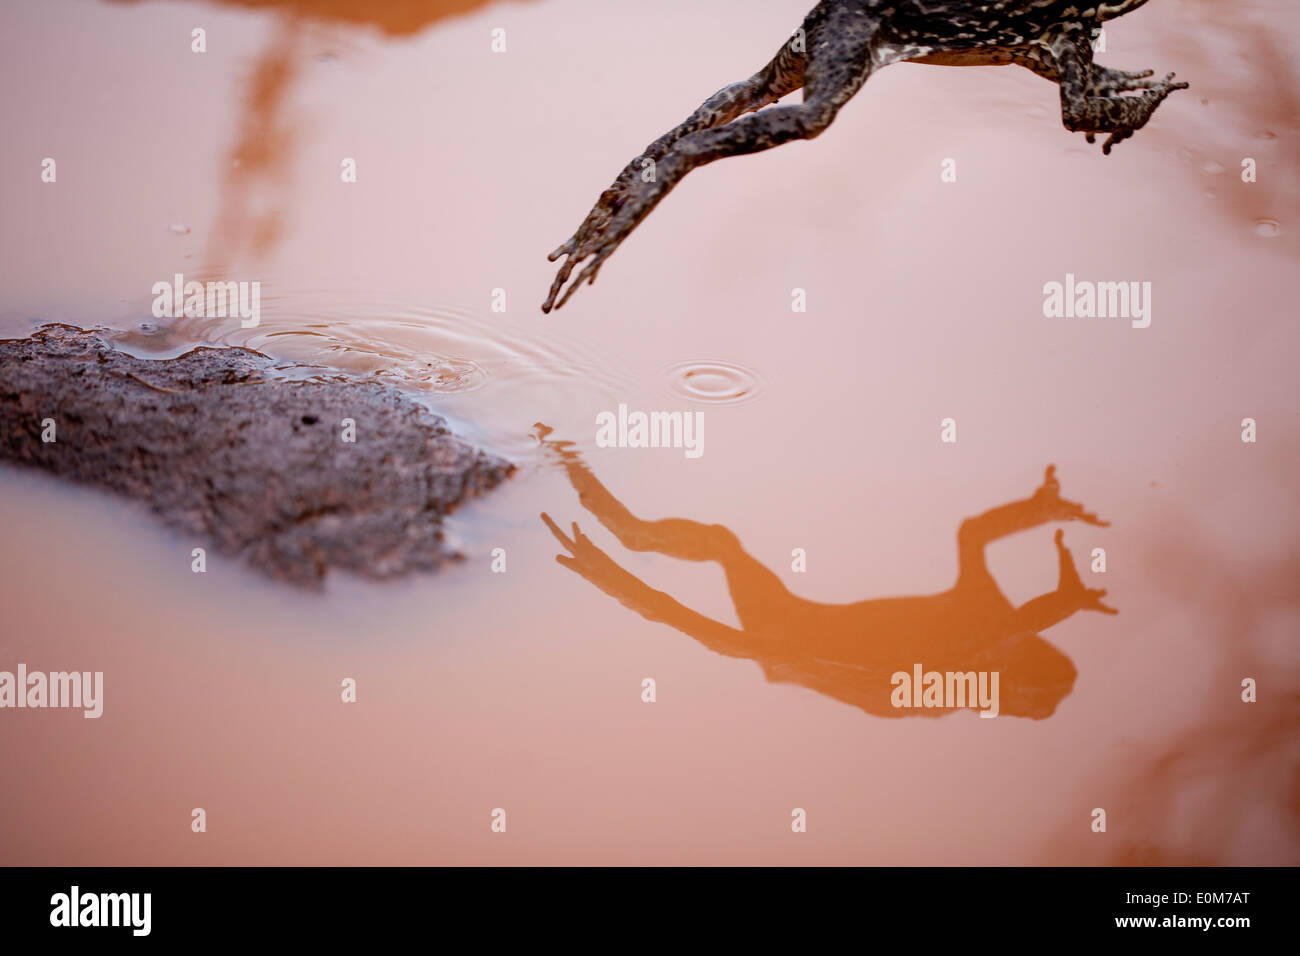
<point x="256" y="466"/>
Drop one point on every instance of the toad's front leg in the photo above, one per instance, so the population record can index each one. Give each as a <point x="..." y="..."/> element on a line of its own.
<point x="784" y="74"/>
<point x="751" y="134"/>
<point x="722" y="107"/>
<point x="840" y="38"/>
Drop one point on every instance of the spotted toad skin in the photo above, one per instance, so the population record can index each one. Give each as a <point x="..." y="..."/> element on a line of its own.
<point x="840" y="44"/>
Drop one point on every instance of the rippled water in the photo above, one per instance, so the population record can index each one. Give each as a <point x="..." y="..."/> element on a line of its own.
<point x="441" y="355"/>
<point x="714" y="383"/>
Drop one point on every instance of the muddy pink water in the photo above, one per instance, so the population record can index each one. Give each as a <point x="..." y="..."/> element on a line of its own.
<point x="523" y="690"/>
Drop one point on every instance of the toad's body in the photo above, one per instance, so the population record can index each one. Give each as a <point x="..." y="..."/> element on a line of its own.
<point x="840" y="44"/>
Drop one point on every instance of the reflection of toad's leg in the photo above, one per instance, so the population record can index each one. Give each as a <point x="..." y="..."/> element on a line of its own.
<point x="1035" y="676"/>
<point x="760" y="598"/>
<point x="1044" y="506"/>
<point x="1070" y="596"/>
<point x="600" y="569"/>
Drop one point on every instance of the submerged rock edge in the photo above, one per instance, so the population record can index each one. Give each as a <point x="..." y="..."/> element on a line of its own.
<point x="257" y="466"/>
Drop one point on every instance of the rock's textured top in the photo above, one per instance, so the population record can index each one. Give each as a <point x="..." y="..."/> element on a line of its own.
<point x="258" y="466"/>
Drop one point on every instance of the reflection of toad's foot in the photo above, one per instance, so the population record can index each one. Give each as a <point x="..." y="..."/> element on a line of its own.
<point x="1071" y="587"/>
<point x="553" y="447"/>
<point x="583" y="557"/>
<point x="590" y="562"/>
<point x="1055" y="508"/>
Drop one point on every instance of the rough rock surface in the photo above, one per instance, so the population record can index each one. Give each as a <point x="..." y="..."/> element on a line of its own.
<point x="257" y="466"/>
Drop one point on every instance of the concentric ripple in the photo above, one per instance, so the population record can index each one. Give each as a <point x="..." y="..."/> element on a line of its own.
<point x="713" y="382"/>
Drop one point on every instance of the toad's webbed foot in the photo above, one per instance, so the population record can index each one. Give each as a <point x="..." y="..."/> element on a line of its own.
<point x="1104" y="81"/>
<point x="1120" y="116"/>
<point x="1092" y="99"/>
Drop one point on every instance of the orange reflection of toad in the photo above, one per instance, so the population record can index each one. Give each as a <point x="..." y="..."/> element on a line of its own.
<point x="857" y="653"/>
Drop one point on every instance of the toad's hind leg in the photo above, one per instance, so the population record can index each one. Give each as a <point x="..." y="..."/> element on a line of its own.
<point x="839" y="60"/>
